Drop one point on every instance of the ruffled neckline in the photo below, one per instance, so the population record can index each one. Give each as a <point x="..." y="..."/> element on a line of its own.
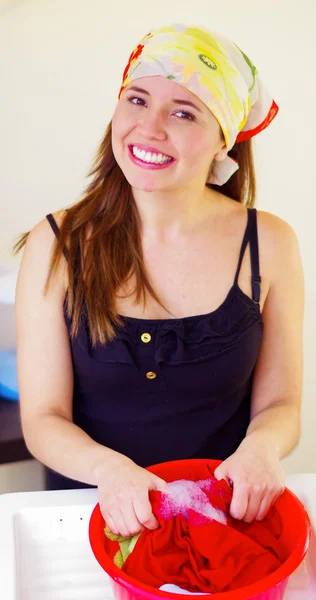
<point x="177" y="320"/>
<point x="181" y="340"/>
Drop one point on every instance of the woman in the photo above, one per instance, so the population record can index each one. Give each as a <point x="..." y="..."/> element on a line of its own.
<point x="152" y="324"/>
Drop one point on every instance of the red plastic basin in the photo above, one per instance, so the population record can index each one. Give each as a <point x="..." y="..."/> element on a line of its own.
<point x="295" y="538"/>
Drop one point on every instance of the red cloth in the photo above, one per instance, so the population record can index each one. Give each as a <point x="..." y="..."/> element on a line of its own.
<point x="200" y="555"/>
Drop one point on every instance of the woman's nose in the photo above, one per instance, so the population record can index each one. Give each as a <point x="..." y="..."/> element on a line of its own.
<point x="152" y="125"/>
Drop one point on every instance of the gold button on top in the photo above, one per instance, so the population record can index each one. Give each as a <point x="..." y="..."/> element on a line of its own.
<point x="145" y="337"/>
<point x="151" y="375"/>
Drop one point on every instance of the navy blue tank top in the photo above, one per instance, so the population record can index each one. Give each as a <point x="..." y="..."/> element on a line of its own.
<point x="167" y="389"/>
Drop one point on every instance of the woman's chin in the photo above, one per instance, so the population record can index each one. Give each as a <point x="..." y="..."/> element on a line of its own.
<point x="153" y="182"/>
<point x="145" y="185"/>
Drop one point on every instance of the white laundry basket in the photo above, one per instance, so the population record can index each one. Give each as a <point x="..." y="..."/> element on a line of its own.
<point x="44" y="547"/>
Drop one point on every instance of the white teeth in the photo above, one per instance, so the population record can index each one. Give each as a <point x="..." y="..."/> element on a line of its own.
<point x="150" y="157"/>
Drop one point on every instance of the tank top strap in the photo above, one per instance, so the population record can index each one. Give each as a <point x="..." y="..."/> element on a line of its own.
<point x="51" y="219"/>
<point x="251" y="237"/>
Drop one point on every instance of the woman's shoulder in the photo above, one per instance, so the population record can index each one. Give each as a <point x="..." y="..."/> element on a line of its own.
<point x="278" y="248"/>
<point x="272" y="229"/>
<point x="41" y="237"/>
<point x="43" y="225"/>
<point x="277" y="239"/>
<point x="39" y="249"/>
<point x="275" y="233"/>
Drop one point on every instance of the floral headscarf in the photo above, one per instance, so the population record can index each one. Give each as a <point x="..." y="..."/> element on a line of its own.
<point x="214" y="69"/>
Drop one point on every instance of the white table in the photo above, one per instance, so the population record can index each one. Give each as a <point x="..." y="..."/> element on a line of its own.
<point x="45" y="552"/>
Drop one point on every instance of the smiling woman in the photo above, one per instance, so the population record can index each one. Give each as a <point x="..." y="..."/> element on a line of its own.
<point x="155" y="320"/>
<point x="158" y="113"/>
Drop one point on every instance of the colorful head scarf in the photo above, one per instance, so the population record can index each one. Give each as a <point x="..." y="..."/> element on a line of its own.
<point x="217" y="72"/>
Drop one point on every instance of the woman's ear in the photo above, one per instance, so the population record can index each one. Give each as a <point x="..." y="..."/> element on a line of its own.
<point x="221" y="154"/>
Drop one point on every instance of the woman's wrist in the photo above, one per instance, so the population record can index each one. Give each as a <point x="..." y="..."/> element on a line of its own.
<point x="107" y="461"/>
<point x="261" y="441"/>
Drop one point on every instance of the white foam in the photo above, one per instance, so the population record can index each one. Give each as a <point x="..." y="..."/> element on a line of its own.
<point x="181" y="495"/>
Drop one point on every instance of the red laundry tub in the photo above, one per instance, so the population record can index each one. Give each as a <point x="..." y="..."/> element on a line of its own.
<point x="295" y="538"/>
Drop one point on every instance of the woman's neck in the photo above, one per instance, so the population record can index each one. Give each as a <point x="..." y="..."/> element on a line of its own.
<point x="169" y="214"/>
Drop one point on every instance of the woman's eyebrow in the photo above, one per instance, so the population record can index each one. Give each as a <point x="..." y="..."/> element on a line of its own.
<point x="183" y="102"/>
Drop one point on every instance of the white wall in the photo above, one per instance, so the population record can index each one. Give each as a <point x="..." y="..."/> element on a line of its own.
<point x="60" y="67"/>
<point x="24" y="476"/>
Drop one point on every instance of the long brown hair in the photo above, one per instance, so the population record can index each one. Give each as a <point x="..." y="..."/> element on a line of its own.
<point x="104" y="230"/>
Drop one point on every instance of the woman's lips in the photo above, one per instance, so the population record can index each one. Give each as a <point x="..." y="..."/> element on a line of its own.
<point x="146" y="165"/>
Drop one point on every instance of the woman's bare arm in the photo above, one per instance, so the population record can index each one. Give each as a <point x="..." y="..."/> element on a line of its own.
<point x="255" y="469"/>
<point x="277" y="384"/>
<point x="45" y="377"/>
<point x="45" y="371"/>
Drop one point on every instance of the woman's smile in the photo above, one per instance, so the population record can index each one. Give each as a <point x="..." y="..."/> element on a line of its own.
<point x="149" y="159"/>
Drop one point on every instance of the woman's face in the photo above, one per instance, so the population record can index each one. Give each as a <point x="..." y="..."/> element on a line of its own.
<point x="163" y="137"/>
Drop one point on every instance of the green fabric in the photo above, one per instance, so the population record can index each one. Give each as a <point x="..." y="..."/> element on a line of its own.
<point x="127" y="545"/>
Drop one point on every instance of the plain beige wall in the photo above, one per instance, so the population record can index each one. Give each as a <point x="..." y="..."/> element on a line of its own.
<point x="61" y="66"/>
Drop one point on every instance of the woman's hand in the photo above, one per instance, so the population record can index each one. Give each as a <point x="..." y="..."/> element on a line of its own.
<point x="123" y="496"/>
<point x="255" y="473"/>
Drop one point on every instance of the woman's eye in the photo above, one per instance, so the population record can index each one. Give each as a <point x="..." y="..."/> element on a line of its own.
<point x="185" y="115"/>
<point x="141" y="102"/>
<point x="132" y="99"/>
